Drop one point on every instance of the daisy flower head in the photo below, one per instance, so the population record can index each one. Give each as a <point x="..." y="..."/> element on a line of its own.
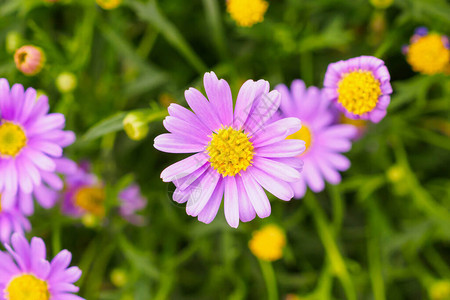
<point x="84" y="194"/>
<point x="324" y="141"/>
<point x="131" y="201"/>
<point x="26" y="274"/>
<point x="31" y="141"/>
<point x="428" y="53"/>
<point x="29" y="59"/>
<point x="247" y="13"/>
<point x="11" y="221"/>
<point x="360" y="87"/>
<point x="237" y="152"/>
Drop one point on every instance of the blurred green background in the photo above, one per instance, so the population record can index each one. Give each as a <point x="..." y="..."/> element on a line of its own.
<point x="383" y="233"/>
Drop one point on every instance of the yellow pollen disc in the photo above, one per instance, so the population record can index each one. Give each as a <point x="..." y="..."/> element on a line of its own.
<point x="359" y="92"/>
<point x="268" y="243"/>
<point x="246" y="13"/>
<point x="27" y="287"/>
<point x="0" y="203"/>
<point x="303" y="134"/>
<point x="230" y="151"/>
<point x="428" y="54"/>
<point x="12" y="139"/>
<point x="91" y="199"/>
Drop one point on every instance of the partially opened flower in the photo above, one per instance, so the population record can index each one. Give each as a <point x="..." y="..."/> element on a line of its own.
<point x="237" y="153"/>
<point x="84" y="194"/>
<point x="26" y="274"/>
<point x="11" y="221"/>
<point x="29" y="59"/>
<point x="360" y="87"/>
<point x="428" y="53"/>
<point x="31" y="142"/>
<point x="131" y="201"/>
<point x="324" y="141"/>
<point x="268" y="243"/>
<point x="246" y="13"/>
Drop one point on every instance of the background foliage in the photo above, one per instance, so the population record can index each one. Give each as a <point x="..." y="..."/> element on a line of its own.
<point x="382" y="234"/>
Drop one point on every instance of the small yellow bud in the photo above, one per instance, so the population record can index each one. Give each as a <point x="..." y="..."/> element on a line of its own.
<point x="136" y="126"/>
<point x="13" y="41"/>
<point x="268" y="243"/>
<point x="395" y="173"/>
<point x="108" y="4"/>
<point x="119" y="277"/>
<point x="90" y="220"/>
<point x="382" y="4"/>
<point x="440" y="290"/>
<point x="66" y="82"/>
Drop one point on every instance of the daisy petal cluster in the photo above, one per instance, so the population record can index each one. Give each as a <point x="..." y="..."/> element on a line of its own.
<point x="11" y="220"/>
<point x="131" y="201"/>
<point x="238" y="151"/>
<point x="31" y="147"/>
<point x="26" y="274"/>
<point x="324" y="140"/>
<point x="428" y="52"/>
<point x="360" y="87"/>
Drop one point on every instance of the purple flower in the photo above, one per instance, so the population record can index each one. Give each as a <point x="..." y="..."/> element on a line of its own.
<point x="131" y="201"/>
<point x="31" y="142"/>
<point x="324" y="140"/>
<point x="12" y="221"/>
<point x="360" y="87"/>
<point x="237" y="153"/>
<point x="26" y="274"/>
<point x="84" y="194"/>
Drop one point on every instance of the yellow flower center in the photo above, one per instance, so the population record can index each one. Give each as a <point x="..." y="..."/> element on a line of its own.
<point x="359" y="92"/>
<point x="268" y="243"/>
<point x="12" y="139"/>
<point x="246" y="13"/>
<point x="428" y="54"/>
<point x="109" y="4"/>
<point x="0" y="203"/>
<point x="303" y="134"/>
<point x="230" y="151"/>
<point x="91" y="199"/>
<point x="27" y="287"/>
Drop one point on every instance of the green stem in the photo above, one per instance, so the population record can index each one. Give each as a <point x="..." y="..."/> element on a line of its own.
<point x="331" y="248"/>
<point x="373" y="253"/>
<point x="307" y="67"/>
<point x="56" y="235"/>
<point x="338" y="208"/>
<point x="270" y="279"/>
<point x="213" y="17"/>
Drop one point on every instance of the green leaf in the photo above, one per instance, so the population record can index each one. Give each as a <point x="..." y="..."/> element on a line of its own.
<point x="108" y="125"/>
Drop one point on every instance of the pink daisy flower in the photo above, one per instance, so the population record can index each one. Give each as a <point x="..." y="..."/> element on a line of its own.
<point x="324" y="141"/>
<point x="131" y="201"/>
<point x="31" y="140"/>
<point x="12" y="221"/>
<point x="237" y="153"/>
<point x="360" y="87"/>
<point x="26" y="274"/>
<point x="84" y="194"/>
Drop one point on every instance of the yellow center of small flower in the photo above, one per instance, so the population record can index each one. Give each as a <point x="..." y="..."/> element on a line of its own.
<point x="268" y="243"/>
<point x="109" y="4"/>
<point x="91" y="199"/>
<point x="246" y="13"/>
<point x="359" y="92"/>
<point x="12" y="139"/>
<point x="27" y="287"/>
<point x="428" y="54"/>
<point x="303" y="134"/>
<point x="230" y="151"/>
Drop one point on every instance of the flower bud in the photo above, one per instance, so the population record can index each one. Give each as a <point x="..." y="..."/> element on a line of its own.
<point x="66" y="82"/>
<point x="108" y="4"/>
<point x="135" y="125"/>
<point x="29" y="59"/>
